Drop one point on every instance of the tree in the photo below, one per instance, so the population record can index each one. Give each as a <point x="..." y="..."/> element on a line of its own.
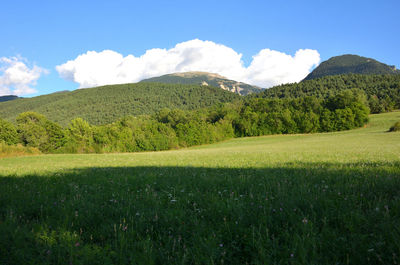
<point x="8" y="132"/>
<point x="35" y="130"/>
<point x="344" y="119"/>
<point x="80" y="136"/>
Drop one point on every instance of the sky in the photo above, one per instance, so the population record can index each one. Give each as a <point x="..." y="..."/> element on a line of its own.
<point x="50" y="46"/>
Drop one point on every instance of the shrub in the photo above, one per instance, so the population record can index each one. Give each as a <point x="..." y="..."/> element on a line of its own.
<point x="16" y="150"/>
<point x="395" y="127"/>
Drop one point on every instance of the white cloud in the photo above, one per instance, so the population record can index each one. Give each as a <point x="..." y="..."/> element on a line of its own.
<point x="270" y="68"/>
<point x="267" y="68"/>
<point x="16" y="78"/>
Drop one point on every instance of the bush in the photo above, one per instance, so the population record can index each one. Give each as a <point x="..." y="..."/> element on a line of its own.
<point x="16" y="150"/>
<point x="395" y="127"/>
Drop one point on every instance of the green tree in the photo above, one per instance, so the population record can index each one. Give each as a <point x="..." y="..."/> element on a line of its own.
<point x="80" y="136"/>
<point x="326" y="121"/>
<point x="35" y="130"/>
<point x="8" y="132"/>
<point x="344" y="119"/>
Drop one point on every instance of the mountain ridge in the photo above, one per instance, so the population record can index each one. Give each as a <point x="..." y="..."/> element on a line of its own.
<point x="350" y="64"/>
<point x="205" y="79"/>
<point x="8" y="98"/>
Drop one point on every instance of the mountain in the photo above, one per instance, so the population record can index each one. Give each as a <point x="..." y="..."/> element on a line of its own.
<point x="8" y="98"/>
<point x="103" y="105"/>
<point x="206" y="79"/>
<point x="348" y="63"/>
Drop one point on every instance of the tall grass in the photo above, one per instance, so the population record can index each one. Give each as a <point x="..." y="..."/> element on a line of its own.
<point x="16" y="150"/>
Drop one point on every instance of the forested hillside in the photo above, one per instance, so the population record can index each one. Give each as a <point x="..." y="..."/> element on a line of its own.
<point x="106" y="104"/>
<point x="168" y="129"/>
<point x="381" y="91"/>
<point x="348" y="63"/>
<point x="7" y="98"/>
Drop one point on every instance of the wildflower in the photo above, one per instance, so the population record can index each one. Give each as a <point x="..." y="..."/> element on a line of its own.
<point x="305" y="221"/>
<point x="291" y="255"/>
<point x="77" y="244"/>
<point x="221" y="245"/>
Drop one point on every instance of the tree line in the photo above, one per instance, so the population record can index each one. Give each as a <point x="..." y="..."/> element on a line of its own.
<point x="169" y="129"/>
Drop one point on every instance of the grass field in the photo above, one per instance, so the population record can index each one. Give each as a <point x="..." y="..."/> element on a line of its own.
<point x="331" y="198"/>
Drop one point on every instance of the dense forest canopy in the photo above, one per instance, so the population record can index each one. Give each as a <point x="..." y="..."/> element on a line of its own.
<point x="382" y="91"/>
<point x="349" y="63"/>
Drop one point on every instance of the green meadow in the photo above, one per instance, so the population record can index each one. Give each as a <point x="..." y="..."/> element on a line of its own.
<point x="328" y="198"/>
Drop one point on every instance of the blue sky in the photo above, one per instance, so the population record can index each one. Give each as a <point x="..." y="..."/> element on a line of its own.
<point x="47" y="34"/>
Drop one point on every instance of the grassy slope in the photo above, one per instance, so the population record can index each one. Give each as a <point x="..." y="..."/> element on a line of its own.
<point x="328" y="198"/>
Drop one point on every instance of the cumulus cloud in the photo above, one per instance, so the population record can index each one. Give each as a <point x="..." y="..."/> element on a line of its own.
<point x="268" y="67"/>
<point x="16" y="78"/>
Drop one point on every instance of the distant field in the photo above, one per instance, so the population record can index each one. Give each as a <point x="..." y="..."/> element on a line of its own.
<point x="331" y="198"/>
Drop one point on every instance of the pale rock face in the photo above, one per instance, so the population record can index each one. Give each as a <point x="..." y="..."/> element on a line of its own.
<point x="221" y="85"/>
<point x="237" y="89"/>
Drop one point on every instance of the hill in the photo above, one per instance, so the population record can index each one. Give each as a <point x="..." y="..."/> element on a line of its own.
<point x="102" y="105"/>
<point x="206" y="79"/>
<point x="382" y="91"/>
<point x="8" y="98"/>
<point x="349" y="63"/>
